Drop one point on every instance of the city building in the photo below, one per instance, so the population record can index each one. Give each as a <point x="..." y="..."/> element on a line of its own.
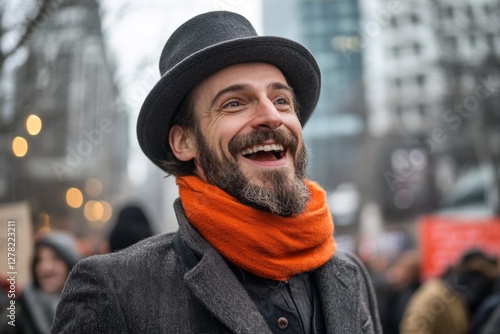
<point x="430" y="95"/>
<point x="335" y="133"/>
<point x="66" y="84"/>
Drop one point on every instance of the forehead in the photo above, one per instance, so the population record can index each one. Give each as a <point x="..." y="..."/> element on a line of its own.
<point x="254" y="74"/>
<point x="44" y="250"/>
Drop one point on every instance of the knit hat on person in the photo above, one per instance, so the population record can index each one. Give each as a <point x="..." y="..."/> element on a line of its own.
<point x="63" y="244"/>
<point x="131" y="226"/>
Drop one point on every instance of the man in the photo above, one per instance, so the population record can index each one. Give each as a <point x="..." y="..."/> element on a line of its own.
<point x="255" y="251"/>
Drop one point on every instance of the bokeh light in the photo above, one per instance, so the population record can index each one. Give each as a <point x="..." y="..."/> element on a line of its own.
<point x="33" y="125"/>
<point x="93" y="187"/>
<point x="74" y="197"/>
<point x="19" y="146"/>
<point x="108" y="212"/>
<point x="93" y="211"/>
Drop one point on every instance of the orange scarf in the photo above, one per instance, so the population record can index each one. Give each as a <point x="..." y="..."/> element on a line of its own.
<point x="265" y="244"/>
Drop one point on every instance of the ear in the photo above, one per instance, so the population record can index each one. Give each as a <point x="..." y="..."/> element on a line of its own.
<point x="182" y="143"/>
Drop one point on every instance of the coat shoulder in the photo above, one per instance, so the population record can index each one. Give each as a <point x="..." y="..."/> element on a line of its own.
<point x="121" y="292"/>
<point x="142" y="254"/>
<point x="347" y="264"/>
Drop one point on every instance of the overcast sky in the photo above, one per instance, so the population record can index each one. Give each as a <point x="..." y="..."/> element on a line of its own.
<point x="136" y="31"/>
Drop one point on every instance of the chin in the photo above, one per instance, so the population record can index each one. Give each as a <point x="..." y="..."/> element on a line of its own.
<point x="260" y="177"/>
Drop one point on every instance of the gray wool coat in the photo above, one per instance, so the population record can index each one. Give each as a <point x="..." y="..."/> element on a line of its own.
<point x="146" y="288"/>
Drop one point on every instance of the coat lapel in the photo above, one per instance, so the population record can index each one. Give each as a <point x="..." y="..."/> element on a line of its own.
<point x="218" y="289"/>
<point x="216" y="286"/>
<point x="338" y="284"/>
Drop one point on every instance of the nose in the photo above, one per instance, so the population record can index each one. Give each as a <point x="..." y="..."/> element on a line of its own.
<point x="45" y="266"/>
<point x="267" y="116"/>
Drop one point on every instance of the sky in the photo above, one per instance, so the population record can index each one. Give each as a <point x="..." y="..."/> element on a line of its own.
<point x="135" y="32"/>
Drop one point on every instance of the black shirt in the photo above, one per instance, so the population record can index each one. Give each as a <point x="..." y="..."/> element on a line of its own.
<point x="288" y="307"/>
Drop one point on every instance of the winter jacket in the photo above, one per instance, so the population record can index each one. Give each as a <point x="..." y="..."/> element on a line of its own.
<point x="151" y="288"/>
<point x="434" y="309"/>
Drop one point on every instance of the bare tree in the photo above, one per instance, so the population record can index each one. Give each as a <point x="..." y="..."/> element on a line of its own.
<point x="41" y="10"/>
<point x="31" y="15"/>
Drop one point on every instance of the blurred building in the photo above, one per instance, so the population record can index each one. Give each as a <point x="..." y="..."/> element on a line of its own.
<point x="431" y="97"/>
<point x="469" y="35"/>
<point x="67" y="82"/>
<point x="409" y="100"/>
<point x="335" y="132"/>
<point x="404" y="90"/>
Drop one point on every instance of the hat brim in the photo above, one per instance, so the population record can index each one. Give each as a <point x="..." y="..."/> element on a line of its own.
<point x="295" y="62"/>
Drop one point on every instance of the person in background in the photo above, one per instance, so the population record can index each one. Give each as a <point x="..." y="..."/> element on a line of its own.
<point x="486" y="320"/>
<point x="403" y="280"/>
<point x="492" y="325"/>
<point x="56" y="254"/>
<point x="255" y="251"/>
<point x="131" y="227"/>
<point x="447" y="304"/>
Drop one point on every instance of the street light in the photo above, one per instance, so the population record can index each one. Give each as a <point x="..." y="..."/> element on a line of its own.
<point x="74" y="198"/>
<point x="93" y="211"/>
<point x="19" y="147"/>
<point x="33" y="125"/>
<point x="93" y="187"/>
<point x="108" y="212"/>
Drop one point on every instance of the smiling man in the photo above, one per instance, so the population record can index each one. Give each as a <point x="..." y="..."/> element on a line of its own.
<point x="249" y="133"/>
<point x="255" y="251"/>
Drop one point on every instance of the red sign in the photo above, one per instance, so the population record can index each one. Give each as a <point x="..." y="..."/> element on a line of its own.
<point x="443" y="240"/>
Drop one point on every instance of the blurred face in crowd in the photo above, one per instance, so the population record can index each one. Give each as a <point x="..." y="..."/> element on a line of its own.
<point x="51" y="271"/>
<point x="248" y="139"/>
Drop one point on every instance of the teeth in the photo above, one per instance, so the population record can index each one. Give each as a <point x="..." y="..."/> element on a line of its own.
<point x="265" y="148"/>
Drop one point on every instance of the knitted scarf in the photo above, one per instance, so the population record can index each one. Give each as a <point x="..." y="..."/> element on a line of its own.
<point x="265" y="244"/>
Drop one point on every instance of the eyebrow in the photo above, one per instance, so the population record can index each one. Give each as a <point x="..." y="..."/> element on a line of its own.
<point x="244" y="87"/>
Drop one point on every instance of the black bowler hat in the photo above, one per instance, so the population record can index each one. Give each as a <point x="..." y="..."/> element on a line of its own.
<point x="204" y="45"/>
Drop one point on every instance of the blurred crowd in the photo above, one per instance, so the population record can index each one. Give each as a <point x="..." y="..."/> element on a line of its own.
<point x="464" y="299"/>
<point x="55" y="254"/>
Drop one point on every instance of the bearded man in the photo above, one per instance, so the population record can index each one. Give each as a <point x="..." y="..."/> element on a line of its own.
<point x="255" y="251"/>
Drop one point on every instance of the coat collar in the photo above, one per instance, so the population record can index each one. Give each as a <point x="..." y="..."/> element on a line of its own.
<point x="222" y="294"/>
<point x="216" y="286"/>
<point x="338" y="284"/>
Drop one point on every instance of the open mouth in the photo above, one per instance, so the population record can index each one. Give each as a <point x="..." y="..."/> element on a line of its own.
<point x="267" y="152"/>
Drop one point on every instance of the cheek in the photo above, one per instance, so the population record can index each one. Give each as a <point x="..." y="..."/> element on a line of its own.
<point x="38" y="270"/>
<point x="297" y="133"/>
<point x="218" y="138"/>
<point x="62" y="269"/>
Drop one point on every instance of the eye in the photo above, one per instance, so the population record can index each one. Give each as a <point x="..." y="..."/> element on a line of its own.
<point x="232" y="104"/>
<point x="282" y="101"/>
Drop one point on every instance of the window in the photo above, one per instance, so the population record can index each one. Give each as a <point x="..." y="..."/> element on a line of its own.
<point x="415" y="19"/>
<point x="487" y="9"/>
<point x="451" y="42"/>
<point x="472" y="40"/>
<point x="417" y="47"/>
<point x="394" y="22"/>
<point x="398" y="82"/>
<point x="421" y="109"/>
<point x="420" y="80"/>
<point x="469" y="12"/>
<point x="490" y="40"/>
<point x="396" y="50"/>
<point x="450" y="12"/>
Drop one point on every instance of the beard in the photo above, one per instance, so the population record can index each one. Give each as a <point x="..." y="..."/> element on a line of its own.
<point x="282" y="192"/>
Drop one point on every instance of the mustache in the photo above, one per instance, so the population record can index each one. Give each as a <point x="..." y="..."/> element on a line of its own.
<point x="258" y="136"/>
